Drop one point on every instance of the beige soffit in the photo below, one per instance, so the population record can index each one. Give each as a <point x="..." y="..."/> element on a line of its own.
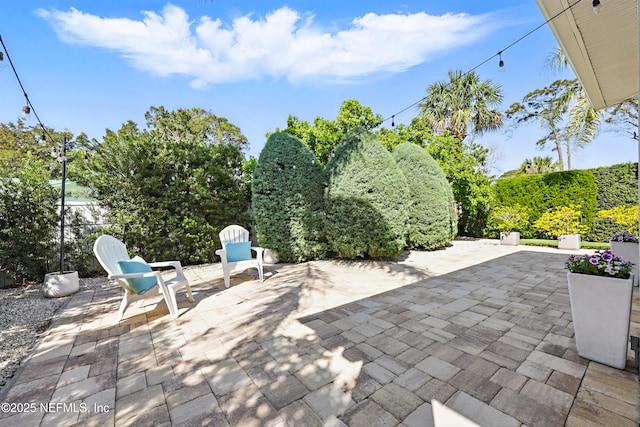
<point x="602" y="47"/>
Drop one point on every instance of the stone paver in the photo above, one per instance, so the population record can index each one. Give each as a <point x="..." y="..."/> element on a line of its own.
<point x="478" y="333"/>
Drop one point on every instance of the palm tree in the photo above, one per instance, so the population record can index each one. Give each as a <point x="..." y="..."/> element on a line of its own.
<point x="538" y="165"/>
<point x="584" y="120"/>
<point x="464" y="104"/>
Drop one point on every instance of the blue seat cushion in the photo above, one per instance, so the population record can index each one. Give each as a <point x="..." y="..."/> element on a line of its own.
<point x="240" y="251"/>
<point x="139" y="285"/>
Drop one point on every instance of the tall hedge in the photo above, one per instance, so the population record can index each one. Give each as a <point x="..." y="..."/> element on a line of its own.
<point x="431" y="221"/>
<point x="538" y="193"/>
<point x="367" y="199"/>
<point x="288" y="199"/>
<point x="617" y="185"/>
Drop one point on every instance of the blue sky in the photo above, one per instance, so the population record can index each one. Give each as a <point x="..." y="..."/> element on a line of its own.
<point x="91" y="65"/>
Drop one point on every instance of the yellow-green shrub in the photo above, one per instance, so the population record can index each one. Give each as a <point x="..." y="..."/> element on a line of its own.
<point x="508" y="218"/>
<point x="623" y="216"/>
<point x="561" y="220"/>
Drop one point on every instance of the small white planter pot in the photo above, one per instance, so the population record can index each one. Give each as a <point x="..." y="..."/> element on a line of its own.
<point x="569" y="241"/>
<point x="60" y="284"/>
<point x="270" y="257"/>
<point x="510" y="238"/>
<point x="601" y="310"/>
<point x="629" y="252"/>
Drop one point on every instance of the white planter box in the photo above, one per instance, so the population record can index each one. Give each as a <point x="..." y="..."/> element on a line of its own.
<point x="601" y="309"/>
<point x="60" y="285"/>
<point x="629" y="252"/>
<point x="569" y="241"/>
<point x="510" y="238"/>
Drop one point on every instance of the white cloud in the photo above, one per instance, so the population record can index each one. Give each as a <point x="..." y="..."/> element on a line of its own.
<point x="282" y="44"/>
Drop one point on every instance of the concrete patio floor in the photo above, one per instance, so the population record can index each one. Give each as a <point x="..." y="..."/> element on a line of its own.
<point x="477" y="334"/>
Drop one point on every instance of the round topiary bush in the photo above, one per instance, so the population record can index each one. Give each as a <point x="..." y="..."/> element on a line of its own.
<point x="431" y="222"/>
<point x="367" y="199"/>
<point x="288" y="199"/>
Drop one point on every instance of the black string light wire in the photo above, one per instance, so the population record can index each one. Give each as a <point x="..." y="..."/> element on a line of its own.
<point x="596" y="4"/>
<point x="28" y="108"/>
<point x="499" y="55"/>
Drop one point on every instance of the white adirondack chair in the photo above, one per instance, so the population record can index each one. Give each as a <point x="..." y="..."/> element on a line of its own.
<point x="234" y="234"/>
<point x="109" y="251"/>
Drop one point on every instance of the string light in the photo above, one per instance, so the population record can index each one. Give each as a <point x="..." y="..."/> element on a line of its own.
<point x="499" y="54"/>
<point x="596" y="6"/>
<point x="28" y="108"/>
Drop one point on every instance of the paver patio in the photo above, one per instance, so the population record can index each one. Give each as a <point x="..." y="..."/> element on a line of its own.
<point x="477" y="334"/>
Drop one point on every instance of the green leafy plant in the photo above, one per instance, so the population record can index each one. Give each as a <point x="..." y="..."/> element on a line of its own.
<point x="508" y="218"/>
<point x="561" y="220"/>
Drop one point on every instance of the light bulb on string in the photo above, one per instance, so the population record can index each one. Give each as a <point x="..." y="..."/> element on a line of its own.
<point x="501" y="62"/>
<point x="596" y="6"/>
<point x="393" y="122"/>
<point x="25" y="112"/>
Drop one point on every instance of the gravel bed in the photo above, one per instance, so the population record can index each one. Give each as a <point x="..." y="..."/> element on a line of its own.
<point x="25" y="314"/>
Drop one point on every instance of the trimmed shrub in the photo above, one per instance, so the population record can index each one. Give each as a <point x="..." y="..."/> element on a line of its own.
<point x="288" y="199"/>
<point x="617" y="185"/>
<point x="539" y="193"/>
<point x="431" y="223"/>
<point x="367" y="199"/>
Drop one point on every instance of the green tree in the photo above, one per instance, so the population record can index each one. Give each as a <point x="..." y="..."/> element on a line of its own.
<point x="18" y="141"/>
<point x="194" y="124"/>
<point x="168" y="198"/>
<point x="462" y="105"/>
<point x="562" y="109"/>
<point x="432" y="218"/>
<point x="463" y="165"/>
<point x="549" y="107"/>
<point x="288" y="199"/>
<point x="28" y="220"/>
<point x="623" y="118"/>
<point x="323" y="135"/>
<point x="367" y="199"/>
<point x="417" y="132"/>
<point x="584" y="120"/>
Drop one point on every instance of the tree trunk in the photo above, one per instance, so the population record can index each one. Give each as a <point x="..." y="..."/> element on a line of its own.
<point x="568" y="154"/>
<point x="556" y="138"/>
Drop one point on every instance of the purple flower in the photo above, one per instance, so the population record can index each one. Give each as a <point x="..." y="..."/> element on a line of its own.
<point x="607" y="256"/>
<point x="594" y="260"/>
